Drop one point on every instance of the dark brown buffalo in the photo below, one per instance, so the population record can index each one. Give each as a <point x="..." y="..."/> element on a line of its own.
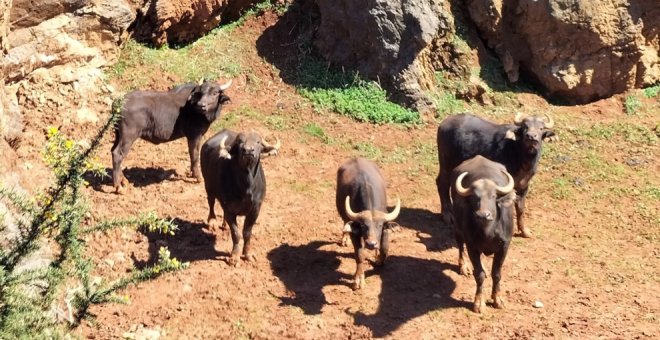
<point x="483" y="196"/>
<point x="231" y="166"/>
<point x="159" y="117"/>
<point x="517" y="146"/>
<point x="362" y="204"/>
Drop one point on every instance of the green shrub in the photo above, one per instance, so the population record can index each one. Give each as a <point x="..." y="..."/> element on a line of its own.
<point x="348" y="94"/>
<point x="56" y="216"/>
<point x="653" y="91"/>
<point x="632" y="105"/>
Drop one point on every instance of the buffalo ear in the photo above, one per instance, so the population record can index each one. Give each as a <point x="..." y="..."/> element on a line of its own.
<point x="507" y="200"/>
<point x="395" y="227"/>
<point x="510" y="134"/>
<point x="224" y="99"/>
<point x="550" y="136"/>
<point x="194" y="93"/>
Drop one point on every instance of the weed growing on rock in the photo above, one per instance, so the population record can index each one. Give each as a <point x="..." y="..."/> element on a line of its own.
<point x="31" y="295"/>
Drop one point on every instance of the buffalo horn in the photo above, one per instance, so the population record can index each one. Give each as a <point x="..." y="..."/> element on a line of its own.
<point x="271" y="149"/>
<point x="201" y="81"/>
<point x="351" y="215"/>
<point x="223" y="149"/>
<point x="508" y="187"/>
<point x="549" y="122"/>
<point x="459" y="186"/>
<point x="389" y="217"/>
<point x="226" y="85"/>
<point x="518" y="119"/>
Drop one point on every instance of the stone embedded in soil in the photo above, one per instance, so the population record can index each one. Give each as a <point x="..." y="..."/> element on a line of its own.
<point x="538" y="304"/>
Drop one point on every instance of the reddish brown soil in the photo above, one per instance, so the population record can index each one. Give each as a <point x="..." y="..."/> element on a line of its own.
<point x="299" y="287"/>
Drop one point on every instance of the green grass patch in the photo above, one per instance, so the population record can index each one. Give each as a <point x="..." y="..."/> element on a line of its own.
<point x="561" y="188"/>
<point x="652" y="92"/>
<point x="226" y="121"/>
<point x="632" y="133"/>
<point x="317" y="131"/>
<point x="348" y="94"/>
<point x="210" y="57"/>
<point x="368" y="150"/>
<point x="446" y="103"/>
<point x="632" y="105"/>
<point x="277" y="122"/>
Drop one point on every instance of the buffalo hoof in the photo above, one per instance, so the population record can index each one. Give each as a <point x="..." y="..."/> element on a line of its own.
<point x="212" y="222"/>
<point x="478" y="303"/>
<point x="119" y="190"/>
<point x="525" y="233"/>
<point x="498" y="302"/>
<point x="249" y="258"/>
<point x="358" y="283"/>
<point x="344" y="240"/>
<point x="124" y="181"/>
<point x="233" y="261"/>
<point x="465" y="269"/>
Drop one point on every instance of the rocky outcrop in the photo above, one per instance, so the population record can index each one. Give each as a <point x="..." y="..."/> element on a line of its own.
<point x="577" y="50"/>
<point x="394" y="42"/>
<point x="56" y="49"/>
<point x="182" y="21"/>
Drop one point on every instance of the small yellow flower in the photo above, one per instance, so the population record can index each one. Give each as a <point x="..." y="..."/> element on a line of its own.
<point x="52" y="131"/>
<point x="68" y="144"/>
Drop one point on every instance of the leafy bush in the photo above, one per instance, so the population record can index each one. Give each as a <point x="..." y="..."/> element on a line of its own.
<point x="28" y="296"/>
<point x="348" y="94"/>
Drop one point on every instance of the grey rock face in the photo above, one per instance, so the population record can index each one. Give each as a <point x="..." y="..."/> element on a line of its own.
<point x="383" y="39"/>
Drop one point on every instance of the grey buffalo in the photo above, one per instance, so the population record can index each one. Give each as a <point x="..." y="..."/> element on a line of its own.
<point x="233" y="175"/>
<point x="163" y="116"/>
<point x="483" y="196"/>
<point x="362" y="204"/>
<point x="517" y="146"/>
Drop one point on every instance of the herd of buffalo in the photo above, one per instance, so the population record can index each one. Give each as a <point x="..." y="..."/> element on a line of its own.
<point x="485" y="170"/>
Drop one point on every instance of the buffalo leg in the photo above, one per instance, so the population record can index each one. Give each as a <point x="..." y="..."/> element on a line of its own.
<point x="235" y="238"/>
<point x="360" y="260"/>
<point x="211" y="220"/>
<point x="463" y="267"/>
<point x="250" y="220"/>
<point x="194" y="145"/>
<point x="442" y="182"/>
<point x="384" y="248"/>
<point x="496" y="273"/>
<point x="479" y="277"/>
<point x="119" y="151"/>
<point x="520" y="211"/>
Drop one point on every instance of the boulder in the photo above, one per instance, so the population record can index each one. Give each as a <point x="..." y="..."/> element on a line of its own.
<point x="578" y="51"/>
<point x="53" y="55"/>
<point x="395" y="42"/>
<point x="178" y="22"/>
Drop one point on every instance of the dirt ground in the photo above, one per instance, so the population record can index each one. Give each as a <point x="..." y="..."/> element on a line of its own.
<point x="300" y="285"/>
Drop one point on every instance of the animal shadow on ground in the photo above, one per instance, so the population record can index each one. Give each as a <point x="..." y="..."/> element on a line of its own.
<point x="431" y="231"/>
<point x="190" y="243"/>
<point x="138" y="177"/>
<point x="305" y="270"/>
<point x="410" y="287"/>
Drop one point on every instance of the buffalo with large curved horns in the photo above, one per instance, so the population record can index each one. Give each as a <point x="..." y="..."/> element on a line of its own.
<point x="362" y="204"/>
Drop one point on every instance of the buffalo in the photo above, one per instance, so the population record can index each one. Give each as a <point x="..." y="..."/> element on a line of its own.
<point x="362" y="204"/>
<point x="483" y="195"/>
<point x="232" y="171"/>
<point x="517" y="146"/>
<point x="163" y="116"/>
